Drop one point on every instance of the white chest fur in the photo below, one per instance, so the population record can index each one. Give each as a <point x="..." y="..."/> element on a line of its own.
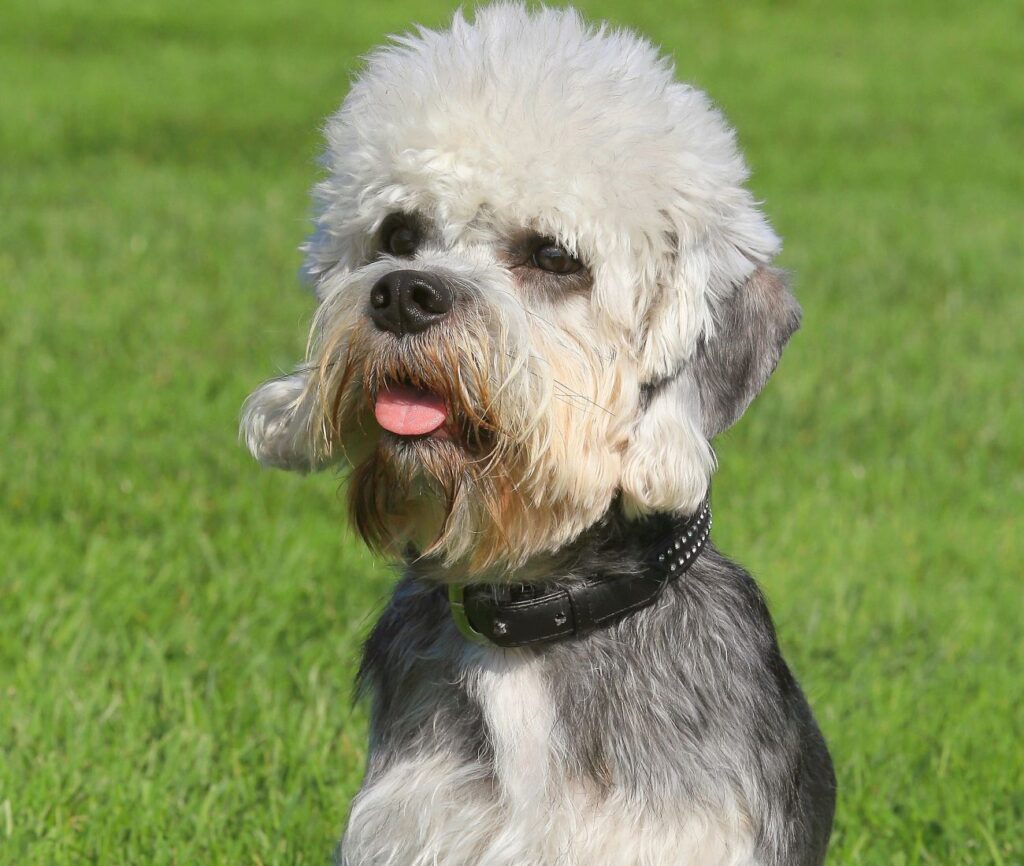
<point x="438" y="810"/>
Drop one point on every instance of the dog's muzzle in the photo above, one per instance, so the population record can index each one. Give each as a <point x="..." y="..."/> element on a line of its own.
<point x="409" y="302"/>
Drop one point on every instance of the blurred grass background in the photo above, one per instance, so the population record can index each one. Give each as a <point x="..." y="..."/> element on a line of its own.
<point x="178" y="630"/>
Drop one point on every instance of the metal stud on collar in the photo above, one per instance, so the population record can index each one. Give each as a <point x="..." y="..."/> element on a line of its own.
<point x="685" y="548"/>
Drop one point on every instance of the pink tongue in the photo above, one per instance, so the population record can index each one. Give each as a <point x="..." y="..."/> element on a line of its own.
<point x="409" y="411"/>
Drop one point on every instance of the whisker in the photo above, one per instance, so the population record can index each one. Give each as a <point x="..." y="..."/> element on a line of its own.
<point x="566" y="390"/>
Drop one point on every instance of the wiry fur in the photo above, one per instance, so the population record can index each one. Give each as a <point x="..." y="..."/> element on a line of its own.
<point x="584" y="409"/>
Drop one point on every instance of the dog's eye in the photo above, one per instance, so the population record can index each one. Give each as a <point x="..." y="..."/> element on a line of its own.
<point x="400" y="239"/>
<point x="556" y="259"/>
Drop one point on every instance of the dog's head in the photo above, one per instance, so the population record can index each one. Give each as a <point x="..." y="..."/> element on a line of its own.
<point x="542" y="285"/>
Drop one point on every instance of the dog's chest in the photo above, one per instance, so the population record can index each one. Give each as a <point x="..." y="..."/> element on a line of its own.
<point x="521" y="805"/>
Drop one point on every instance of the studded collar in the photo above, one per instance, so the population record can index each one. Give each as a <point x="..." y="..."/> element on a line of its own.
<point x="524" y="615"/>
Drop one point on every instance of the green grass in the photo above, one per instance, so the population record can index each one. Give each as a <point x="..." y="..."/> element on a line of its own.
<point x="178" y="630"/>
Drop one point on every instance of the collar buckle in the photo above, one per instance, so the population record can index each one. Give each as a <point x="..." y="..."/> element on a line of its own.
<point x="457" y="603"/>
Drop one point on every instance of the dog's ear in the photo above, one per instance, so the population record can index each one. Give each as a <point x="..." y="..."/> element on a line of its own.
<point x="278" y="424"/>
<point x="732" y="365"/>
<point x="668" y="460"/>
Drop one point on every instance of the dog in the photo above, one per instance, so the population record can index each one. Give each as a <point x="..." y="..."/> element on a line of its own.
<point x="542" y="290"/>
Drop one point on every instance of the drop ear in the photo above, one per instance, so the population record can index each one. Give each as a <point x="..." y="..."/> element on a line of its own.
<point x="732" y="365"/>
<point x="278" y="421"/>
<point x="668" y="460"/>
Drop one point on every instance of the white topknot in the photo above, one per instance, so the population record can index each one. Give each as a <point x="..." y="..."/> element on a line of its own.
<point x="580" y="132"/>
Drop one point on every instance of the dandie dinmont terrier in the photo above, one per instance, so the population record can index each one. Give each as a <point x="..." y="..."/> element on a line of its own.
<point x="543" y="288"/>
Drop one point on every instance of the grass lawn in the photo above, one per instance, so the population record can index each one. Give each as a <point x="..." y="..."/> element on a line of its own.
<point x="178" y="630"/>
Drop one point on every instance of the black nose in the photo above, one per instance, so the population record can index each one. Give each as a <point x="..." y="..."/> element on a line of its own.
<point x="409" y="302"/>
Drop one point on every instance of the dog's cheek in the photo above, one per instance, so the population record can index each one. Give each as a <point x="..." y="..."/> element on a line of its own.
<point x="584" y="454"/>
<point x="563" y="475"/>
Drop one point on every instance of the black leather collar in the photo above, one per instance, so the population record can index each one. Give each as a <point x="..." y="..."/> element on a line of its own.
<point x="521" y="615"/>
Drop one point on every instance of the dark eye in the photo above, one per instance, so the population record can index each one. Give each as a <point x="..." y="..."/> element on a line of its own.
<point x="551" y="257"/>
<point x="400" y="239"/>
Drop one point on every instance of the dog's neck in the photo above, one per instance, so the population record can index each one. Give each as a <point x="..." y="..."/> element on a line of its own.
<point x="613" y="545"/>
<point x="615" y="569"/>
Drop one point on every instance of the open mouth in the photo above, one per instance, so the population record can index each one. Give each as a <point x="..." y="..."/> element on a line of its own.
<point x="416" y="414"/>
<point x="405" y="410"/>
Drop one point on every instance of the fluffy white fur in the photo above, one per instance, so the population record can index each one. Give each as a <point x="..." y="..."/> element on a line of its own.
<point x="583" y="134"/>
